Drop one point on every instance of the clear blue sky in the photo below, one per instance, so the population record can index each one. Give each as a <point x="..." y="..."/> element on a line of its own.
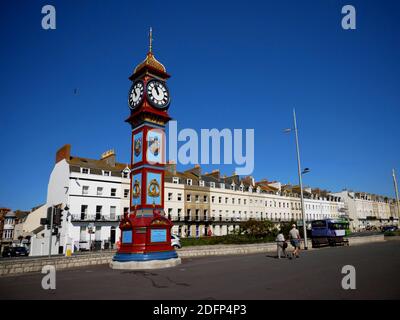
<point x="233" y="64"/>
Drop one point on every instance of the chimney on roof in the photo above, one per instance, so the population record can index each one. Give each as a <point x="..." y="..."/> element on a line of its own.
<point x="109" y="157"/>
<point x="171" y="167"/>
<point x="63" y="153"/>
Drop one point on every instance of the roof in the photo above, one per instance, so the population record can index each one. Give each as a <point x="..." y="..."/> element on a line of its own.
<point x="10" y="214"/>
<point x="96" y="164"/>
<point x="152" y="62"/>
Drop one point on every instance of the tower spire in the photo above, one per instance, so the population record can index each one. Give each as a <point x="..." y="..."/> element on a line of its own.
<point x="151" y="40"/>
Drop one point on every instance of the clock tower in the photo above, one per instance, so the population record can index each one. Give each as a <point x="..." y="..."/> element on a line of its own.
<point x="145" y="231"/>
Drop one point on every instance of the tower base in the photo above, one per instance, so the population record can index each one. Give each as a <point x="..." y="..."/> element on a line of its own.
<point x="145" y="265"/>
<point x="150" y="260"/>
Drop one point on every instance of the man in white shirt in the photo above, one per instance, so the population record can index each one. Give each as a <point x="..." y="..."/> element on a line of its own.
<point x="294" y="236"/>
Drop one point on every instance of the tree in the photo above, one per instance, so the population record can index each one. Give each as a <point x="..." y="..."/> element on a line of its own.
<point x="257" y="228"/>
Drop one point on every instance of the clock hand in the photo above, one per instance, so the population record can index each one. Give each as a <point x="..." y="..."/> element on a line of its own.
<point x="157" y="90"/>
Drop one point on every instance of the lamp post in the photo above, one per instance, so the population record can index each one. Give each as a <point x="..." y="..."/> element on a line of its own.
<point x="306" y="170"/>
<point x="397" y="196"/>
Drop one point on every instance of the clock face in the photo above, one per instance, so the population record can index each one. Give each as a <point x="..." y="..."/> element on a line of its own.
<point x="136" y="94"/>
<point x="158" y="94"/>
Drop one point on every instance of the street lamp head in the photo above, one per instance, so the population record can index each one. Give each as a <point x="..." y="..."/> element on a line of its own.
<point x="306" y="170"/>
<point x="287" y="130"/>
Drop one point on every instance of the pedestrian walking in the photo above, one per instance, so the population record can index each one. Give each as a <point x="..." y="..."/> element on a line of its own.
<point x="294" y="236"/>
<point x="281" y="245"/>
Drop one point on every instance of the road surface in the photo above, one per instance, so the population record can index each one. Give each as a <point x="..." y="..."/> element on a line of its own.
<point x="316" y="275"/>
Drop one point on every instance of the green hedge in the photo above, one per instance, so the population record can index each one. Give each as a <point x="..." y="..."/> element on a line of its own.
<point x="228" y="239"/>
<point x="392" y="233"/>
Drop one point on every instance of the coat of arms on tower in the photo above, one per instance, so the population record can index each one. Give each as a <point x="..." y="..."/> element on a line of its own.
<point x="136" y="189"/>
<point x="138" y="146"/>
<point x="153" y="189"/>
<point x="154" y="146"/>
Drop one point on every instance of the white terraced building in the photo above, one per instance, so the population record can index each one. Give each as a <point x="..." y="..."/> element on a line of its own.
<point x="96" y="193"/>
<point x="229" y="200"/>
<point x="369" y="210"/>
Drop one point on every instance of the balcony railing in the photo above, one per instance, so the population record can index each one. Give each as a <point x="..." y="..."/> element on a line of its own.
<point x="93" y="217"/>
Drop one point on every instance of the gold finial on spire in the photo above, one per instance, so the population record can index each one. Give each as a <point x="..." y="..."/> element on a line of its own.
<point x="151" y="40"/>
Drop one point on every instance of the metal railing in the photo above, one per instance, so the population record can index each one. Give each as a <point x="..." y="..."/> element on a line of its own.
<point x="93" y="217"/>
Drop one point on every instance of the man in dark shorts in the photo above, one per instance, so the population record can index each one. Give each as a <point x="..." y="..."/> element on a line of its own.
<point x="294" y="236"/>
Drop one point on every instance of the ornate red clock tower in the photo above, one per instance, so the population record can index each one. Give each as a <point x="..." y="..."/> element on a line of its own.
<point x="145" y="231"/>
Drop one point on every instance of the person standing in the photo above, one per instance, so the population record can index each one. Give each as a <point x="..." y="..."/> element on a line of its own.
<point x="294" y="236"/>
<point x="281" y="245"/>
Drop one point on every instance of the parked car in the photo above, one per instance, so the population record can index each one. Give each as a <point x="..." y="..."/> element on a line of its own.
<point x="389" y="228"/>
<point x="15" y="252"/>
<point x="175" y="241"/>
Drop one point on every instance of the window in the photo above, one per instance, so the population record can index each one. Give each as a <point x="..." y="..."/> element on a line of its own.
<point x="113" y="192"/>
<point x="205" y="199"/>
<point x="175" y="180"/>
<point x="189" y="182"/>
<point x="233" y="200"/>
<point x="169" y="196"/>
<point x="85" y="190"/>
<point x="232" y="187"/>
<point x="212" y="199"/>
<point x="197" y="214"/>
<point x="179" y="214"/>
<point x="239" y="201"/>
<point x="113" y="210"/>
<point x="125" y="174"/>
<point x="85" y="170"/>
<point x="98" y="212"/>
<point x="222" y="185"/>
<point x="244" y="201"/>
<point x="212" y="184"/>
<point x="197" y="231"/>
<point x="99" y="191"/>
<point x="179" y="197"/>
<point x="226" y="200"/>
<point x="126" y="193"/>
<point x="201" y="183"/>
<point x="106" y="173"/>
<point x="219" y="199"/>
<point x="83" y="211"/>
<point x="126" y="210"/>
<point x="197" y="198"/>
<point x="188" y="198"/>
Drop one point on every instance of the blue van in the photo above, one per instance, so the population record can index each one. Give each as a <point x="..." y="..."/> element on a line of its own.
<point x="329" y="232"/>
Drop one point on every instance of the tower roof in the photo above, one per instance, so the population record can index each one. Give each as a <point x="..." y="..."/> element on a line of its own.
<point x="150" y="60"/>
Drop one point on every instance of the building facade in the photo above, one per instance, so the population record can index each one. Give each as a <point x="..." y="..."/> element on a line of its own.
<point x="368" y="210"/>
<point x="8" y="228"/>
<point x="211" y="204"/>
<point x="94" y="195"/>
